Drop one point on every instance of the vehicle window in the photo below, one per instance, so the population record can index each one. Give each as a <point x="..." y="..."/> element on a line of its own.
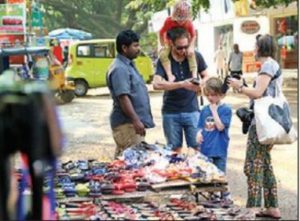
<point x="104" y="51"/>
<point x="84" y="51"/>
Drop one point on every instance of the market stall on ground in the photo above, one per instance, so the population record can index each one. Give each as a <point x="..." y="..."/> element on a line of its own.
<point x="168" y="184"/>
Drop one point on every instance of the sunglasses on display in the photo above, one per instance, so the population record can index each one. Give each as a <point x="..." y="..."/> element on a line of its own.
<point x="179" y="48"/>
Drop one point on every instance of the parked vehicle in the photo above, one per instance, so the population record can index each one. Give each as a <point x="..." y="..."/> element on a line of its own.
<point x="63" y="89"/>
<point x="89" y="62"/>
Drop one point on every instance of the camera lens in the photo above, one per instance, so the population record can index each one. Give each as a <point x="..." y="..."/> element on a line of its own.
<point x="236" y="76"/>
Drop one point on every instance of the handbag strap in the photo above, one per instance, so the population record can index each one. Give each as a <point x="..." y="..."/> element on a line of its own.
<point x="277" y="89"/>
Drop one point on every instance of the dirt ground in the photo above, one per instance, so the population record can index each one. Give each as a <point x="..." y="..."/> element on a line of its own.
<point x="85" y="123"/>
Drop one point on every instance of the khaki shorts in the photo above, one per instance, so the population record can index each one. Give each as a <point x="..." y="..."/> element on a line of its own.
<point x="125" y="136"/>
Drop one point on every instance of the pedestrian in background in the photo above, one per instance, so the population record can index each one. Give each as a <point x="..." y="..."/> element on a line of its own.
<point x="235" y="61"/>
<point x="66" y="56"/>
<point x="57" y="50"/>
<point x="181" y="17"/>
<point x="258" y="167"/>
<point x="220" y="61"/>
<point x="131" y="113"/>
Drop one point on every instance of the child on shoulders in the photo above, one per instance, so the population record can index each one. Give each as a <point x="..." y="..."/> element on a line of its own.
<point x="181" y="17"/>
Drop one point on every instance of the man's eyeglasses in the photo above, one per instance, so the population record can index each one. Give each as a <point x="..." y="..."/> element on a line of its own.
<point x="179" y="48"/>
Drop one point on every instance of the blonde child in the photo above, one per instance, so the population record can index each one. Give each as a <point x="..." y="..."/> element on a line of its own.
<point x="181" y="17"/>
<point x="213" y="124"/>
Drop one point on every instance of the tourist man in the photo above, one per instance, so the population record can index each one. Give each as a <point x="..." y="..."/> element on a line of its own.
<point x="180" y="111"/>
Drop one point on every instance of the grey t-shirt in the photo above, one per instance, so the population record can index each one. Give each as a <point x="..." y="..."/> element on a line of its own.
<point x="271" y="68"/>
<point x="124" y="79"/>
<point x="235" y="61"/>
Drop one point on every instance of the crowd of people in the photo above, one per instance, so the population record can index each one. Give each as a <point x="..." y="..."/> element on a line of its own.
<point x="181" y="72"/>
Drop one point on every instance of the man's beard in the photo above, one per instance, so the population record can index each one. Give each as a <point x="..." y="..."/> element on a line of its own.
<point x="181" y="54"/>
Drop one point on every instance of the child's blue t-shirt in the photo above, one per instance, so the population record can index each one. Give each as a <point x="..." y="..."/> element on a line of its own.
<point x="215" y="143"/>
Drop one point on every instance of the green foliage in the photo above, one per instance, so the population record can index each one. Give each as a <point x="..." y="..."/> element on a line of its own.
<point x="197" y="5"/>
<point x="157" y="5"/>
<point x="149" y="42"/>
<point x="271" y="3"/>
<point x="105" y="18"/>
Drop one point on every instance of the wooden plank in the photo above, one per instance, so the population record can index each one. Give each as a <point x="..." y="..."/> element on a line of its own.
<point x="212" y="189"/>
<point x="125" y="196"/>
<point x="171" y="183"/>
<point x="174" y="187"/>
<point x="184" y="183"/>
<point x="165" y="192"/>
<point x="74" y="199"/>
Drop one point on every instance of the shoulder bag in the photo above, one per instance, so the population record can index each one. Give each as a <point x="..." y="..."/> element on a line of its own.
<point x="273" y="120"/>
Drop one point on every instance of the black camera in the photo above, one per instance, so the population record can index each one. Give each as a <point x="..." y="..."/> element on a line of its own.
<point x="246" y="115"/>
<point x="195" y="81"/>
<point x="225" y="83"/>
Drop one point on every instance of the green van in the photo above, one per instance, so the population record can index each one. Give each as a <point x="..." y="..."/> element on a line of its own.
<point x="89" y="62"/>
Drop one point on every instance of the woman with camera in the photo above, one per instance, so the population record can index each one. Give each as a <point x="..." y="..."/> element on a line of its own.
<point x="258" y="167"/>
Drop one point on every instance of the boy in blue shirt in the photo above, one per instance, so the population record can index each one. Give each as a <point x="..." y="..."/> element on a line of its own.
<point x="214" y="122"/>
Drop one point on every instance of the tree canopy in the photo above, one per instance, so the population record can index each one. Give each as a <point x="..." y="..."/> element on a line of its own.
<point x="104" y="18"/>
<point x="270" y="3"/>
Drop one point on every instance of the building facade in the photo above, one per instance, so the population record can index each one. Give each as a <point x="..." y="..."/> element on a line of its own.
<point x="227" y="23"/>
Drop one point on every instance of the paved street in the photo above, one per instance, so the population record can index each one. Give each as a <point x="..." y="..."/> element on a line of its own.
<point x="86" y="125"/>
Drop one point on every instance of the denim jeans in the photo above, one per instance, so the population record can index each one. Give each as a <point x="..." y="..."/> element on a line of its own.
<point x="175" y="125"/>
<point x="220" y="162"/>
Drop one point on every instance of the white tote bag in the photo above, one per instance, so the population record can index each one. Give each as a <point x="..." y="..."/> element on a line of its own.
<point x="273" y="120"/>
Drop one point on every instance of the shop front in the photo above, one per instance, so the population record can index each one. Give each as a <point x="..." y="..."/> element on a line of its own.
<point x="246" y="29"/>
<point x="286" y="34"/>
<point x="241" y="31"/>
<point x="284" y="27"/>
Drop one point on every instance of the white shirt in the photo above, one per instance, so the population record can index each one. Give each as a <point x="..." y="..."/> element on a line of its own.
<point x="220" y="58"/>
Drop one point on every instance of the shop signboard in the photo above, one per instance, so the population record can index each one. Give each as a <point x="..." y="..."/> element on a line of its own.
<point x="250" y="27"/>
<point x="12" y="18"/>
<point x="12" y="27"/>
<point x="37" y="17"/>
<point x="245" y="31"/>
<point x="15" y="1"/>
<point x="13" y="41"/>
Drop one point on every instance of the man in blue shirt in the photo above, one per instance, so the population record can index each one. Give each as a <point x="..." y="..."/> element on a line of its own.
<point x="180" y="111"/>
<point x="131" y="112"/>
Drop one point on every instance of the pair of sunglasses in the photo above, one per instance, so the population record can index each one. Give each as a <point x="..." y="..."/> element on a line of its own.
<point x="179" y="48"/>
